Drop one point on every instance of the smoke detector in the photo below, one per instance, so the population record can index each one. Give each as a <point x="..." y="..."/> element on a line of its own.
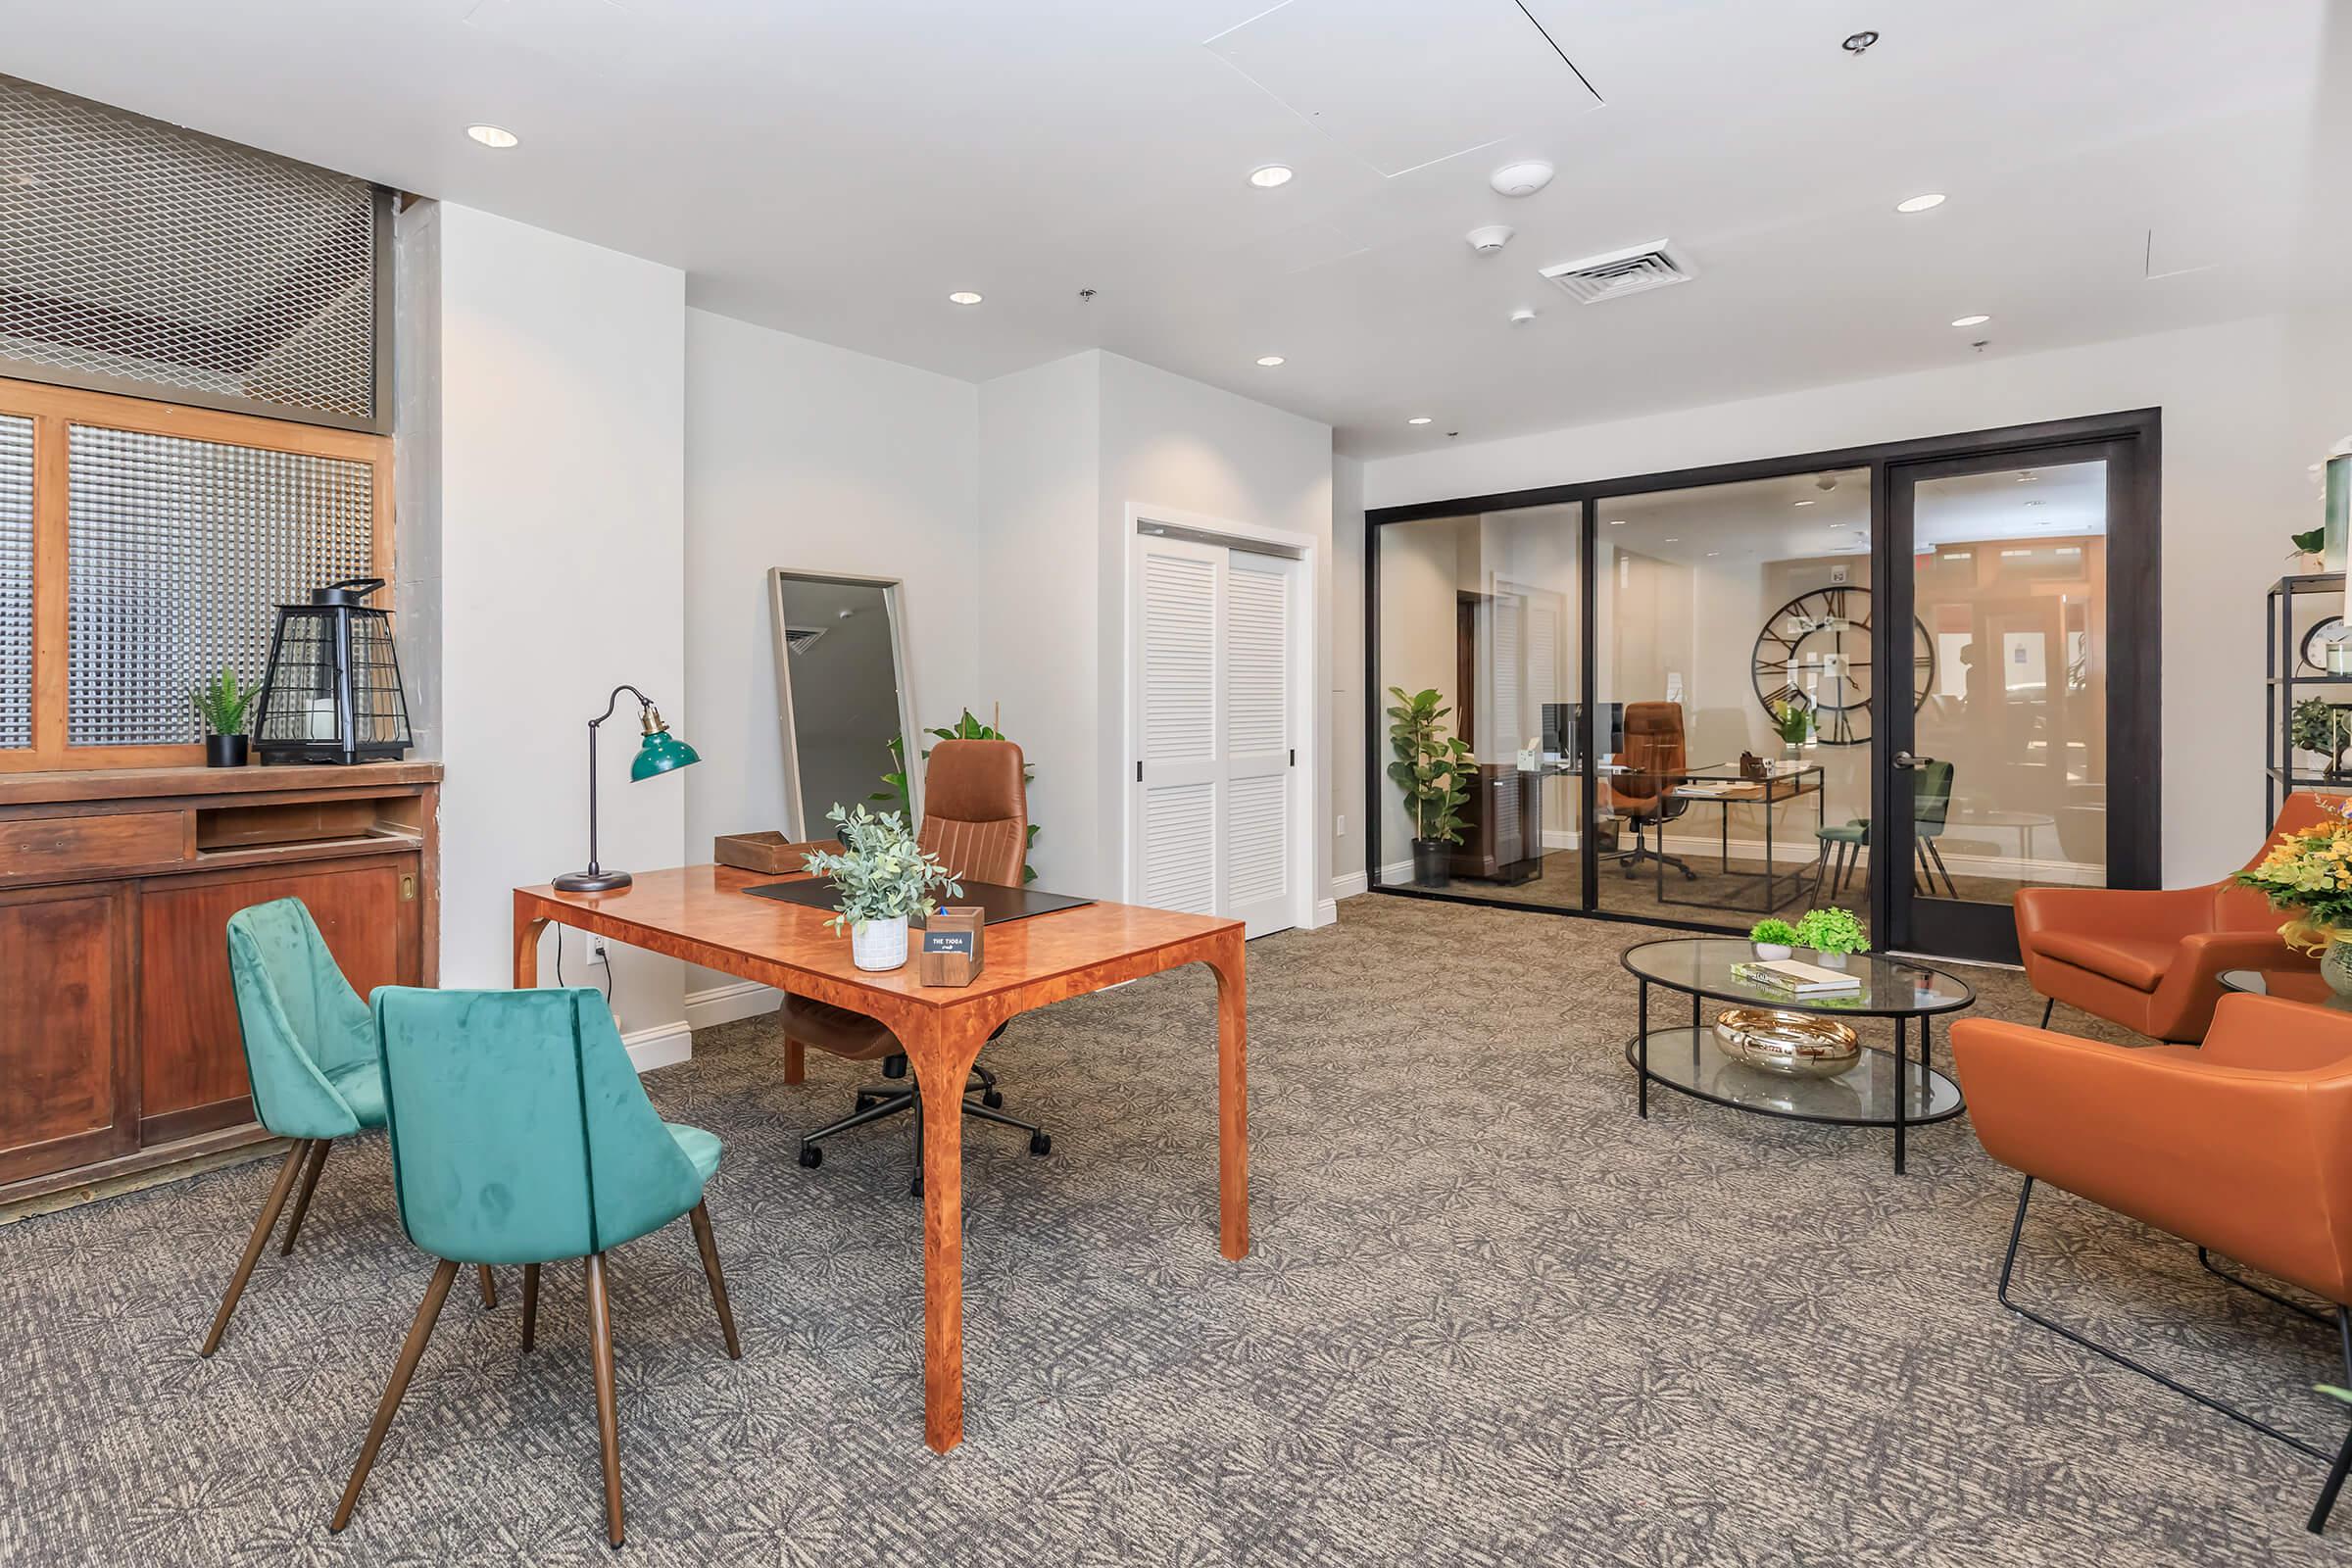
<point x="1523" y="315"/>
<point x="1523" y="178"/>
<point x="1488" y="239"/>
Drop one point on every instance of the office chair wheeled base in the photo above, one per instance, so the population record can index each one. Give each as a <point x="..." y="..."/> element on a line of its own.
<point x="881" y="1103"/>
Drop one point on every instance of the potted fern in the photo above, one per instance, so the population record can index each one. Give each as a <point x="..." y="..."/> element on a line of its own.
<point x="1433" y="769"/>
<point x="883" y="877"/>
<point x="222" y="704"/>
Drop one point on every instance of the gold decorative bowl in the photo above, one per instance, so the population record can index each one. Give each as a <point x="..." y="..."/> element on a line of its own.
<point x="1795" y="1044"/>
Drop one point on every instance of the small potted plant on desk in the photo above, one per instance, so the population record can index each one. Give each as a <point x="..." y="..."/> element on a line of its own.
<point x="222" y="704"/>
<point x="1793" y="722"/>
<point x="1833" y="934"/>
<point x="1429" y="768"/>
<point x="1774" y="939"/>
<point x="883" y="877"/>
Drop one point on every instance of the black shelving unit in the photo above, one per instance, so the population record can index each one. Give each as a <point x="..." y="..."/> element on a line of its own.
<point x="2284" y="684"/>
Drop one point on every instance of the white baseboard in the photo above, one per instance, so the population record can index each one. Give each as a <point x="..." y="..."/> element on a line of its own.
<point x="1559" y="838"/>
<point x="664" y="1045"/>
<point x="1327" y="912"/>
<point x="746" y="998"/>
<point x="1348" y="886"/>
<point x="1397" y="871"/>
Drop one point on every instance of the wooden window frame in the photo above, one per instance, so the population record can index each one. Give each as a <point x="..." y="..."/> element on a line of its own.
<point x="54" y="411"/>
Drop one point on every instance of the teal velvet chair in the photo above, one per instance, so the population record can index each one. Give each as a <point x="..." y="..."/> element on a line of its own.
<point x="310" y="1052"/>
<point x="520" y="1135"/>
<point x="1931" y="811"/>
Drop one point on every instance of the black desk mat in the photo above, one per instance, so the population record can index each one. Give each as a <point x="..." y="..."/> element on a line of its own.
<point x="998" y="903"/>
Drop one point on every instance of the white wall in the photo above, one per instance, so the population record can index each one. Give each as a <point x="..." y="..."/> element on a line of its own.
<point x="1040" y="474"/>
<point x="1172" y="443"/>
<point x="2234" y="485"/>
<point x="1342" y="693"/>
<point x="561" y="415"/>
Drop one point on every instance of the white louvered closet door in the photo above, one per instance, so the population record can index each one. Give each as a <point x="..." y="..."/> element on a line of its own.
<point x="1176" y="680"/>
<point x="1216" y="733"/>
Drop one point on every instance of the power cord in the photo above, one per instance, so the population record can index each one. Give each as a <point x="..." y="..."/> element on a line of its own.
<point x="560" y="930"/>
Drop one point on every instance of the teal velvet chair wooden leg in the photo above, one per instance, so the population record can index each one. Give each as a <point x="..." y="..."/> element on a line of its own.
<point x="520" y="1135"/>
<point x="310" y="1052"/>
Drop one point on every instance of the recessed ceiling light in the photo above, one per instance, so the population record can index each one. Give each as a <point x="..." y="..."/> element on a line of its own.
<point x="2032" y="503"/>
<point x="1804" y="504"/>
<point x="1673" y="541"/>
<point x="964" y="296"/>
<point x="1269" y="176"/>
<point x="1714" y="553"/>
<point x="493" y="135"/>
<point x="1269" y="360"/>
<point x="1969" y="321"/>
<point x="1616" y="522"/>
<point x="1418" y="418"/>
<point x="1921" y="204"/>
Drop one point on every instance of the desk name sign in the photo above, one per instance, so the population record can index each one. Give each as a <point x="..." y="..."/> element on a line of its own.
<point x="951" y="953"/>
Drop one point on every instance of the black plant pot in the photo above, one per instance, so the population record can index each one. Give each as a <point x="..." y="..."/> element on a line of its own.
<point x="1429" y="862"/>
<point x="225" y="750"/>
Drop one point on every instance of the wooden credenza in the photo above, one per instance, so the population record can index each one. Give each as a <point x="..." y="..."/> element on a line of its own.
<point x="118" y="1044"/>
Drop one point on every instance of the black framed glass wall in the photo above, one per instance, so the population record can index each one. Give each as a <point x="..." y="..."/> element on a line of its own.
<point x="1478" y="664"/>
<point x="1734" y="680"/>
<point x="1738" y="718"/>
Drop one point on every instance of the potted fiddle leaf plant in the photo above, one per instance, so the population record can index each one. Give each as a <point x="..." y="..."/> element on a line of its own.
<point x="1834" y="934"/>
<point x="883" y="877"/>
<point x="221" y="705"/>
<point x="1433" y="769"/>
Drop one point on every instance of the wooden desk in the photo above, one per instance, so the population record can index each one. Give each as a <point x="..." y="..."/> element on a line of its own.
<point x="700" y="913"/>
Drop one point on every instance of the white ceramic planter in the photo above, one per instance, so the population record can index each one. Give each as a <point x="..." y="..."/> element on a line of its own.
<point x="879" y="943"/>
<point x="1770" y="952"/>
<point x="1830" y="960"/>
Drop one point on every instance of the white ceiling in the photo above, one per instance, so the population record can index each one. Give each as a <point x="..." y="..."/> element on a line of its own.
<point x="2114" y="167"/>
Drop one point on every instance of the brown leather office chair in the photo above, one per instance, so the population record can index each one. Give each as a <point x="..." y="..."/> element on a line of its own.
<point x="2243" y="1146"/>
<point x="2152" y="959"/>
<point x="976" y="820"/>
<point x="1655" y="754"/>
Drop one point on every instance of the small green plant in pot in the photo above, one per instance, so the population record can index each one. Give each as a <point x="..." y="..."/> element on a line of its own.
<point x="1774" y="938"/>
<point x="2323" y="727"/>
<point x="883" y="877"/>
<point x="1793" y="722"/>
<point x="222" y="704"/>
<point x="1833" y="934"/>
<point x="1433" y="769"/>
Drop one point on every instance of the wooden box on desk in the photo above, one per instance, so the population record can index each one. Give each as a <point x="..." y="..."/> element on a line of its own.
<point x="951" y="953"/>
<point x="771" y="852"/>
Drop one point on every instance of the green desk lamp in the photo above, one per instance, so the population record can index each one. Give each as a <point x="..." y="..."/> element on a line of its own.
<point x="659" y="752"/>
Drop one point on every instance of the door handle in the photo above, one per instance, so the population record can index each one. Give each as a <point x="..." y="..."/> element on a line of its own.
<point x="1906" y="761"/>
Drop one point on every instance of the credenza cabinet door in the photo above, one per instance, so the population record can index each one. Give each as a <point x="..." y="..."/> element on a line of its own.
<point x="68" y="1092"/>
<point x="191" y="1056"/>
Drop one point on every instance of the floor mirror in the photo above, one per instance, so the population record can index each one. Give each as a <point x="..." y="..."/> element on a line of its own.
<point x="845" y="709"/>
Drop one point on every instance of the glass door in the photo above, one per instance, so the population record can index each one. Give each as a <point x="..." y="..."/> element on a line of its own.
<point x="2024" y="614"/>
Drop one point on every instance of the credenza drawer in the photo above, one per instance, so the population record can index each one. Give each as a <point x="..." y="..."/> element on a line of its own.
<point x="48" y="846"/>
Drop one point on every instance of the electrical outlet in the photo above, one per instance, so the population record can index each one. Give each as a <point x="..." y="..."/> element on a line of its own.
<point x="595" y="946"/>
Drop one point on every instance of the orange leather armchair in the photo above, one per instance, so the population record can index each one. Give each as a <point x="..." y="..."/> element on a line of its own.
<point x="2243" y="1148"/>
<point x="976" y="820"/>
<point x="2152" y="961"/>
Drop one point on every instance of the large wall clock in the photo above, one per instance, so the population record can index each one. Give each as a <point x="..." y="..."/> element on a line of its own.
<point x="1816" y="649"/>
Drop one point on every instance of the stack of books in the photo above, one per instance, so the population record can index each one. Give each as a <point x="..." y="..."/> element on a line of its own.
<point x="1798" y="979"/>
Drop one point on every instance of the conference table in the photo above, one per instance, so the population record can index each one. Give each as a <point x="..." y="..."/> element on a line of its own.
<point x="704" y="914"/>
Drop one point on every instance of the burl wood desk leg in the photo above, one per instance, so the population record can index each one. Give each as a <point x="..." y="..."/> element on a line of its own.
<point x="526" y="951"/>
<point x="796" y="1061"/>
<point x="1233" y="1097"/>
<point x="941" y="1051"/>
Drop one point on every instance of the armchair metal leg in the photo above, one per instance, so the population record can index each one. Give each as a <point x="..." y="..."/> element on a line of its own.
<point x="489" y="1287"/>
<point x="261" y="1227"/>
<point x="2047" y="1007"/>
<point x="2319" y="1511"/>
<point x="708" y="1247"/>
<point x="608" y="1418"/>
<point x="530" y="1305"/>
<point x="2009" y="1265"/>
<point x="301" y="1199"/>
<point x="412" y="1351"/>
<point x="2268" y="1294"/>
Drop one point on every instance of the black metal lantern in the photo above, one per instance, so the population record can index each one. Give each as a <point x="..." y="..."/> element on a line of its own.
<point x="332" y="693"/>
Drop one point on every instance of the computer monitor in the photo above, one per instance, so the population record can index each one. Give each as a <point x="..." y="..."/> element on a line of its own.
<point x="1563" y="731"/>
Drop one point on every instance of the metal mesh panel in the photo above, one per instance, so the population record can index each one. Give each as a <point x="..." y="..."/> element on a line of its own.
<point x="16" y="583"/>
<point x="178" y="554"/>
<point x="131" y="250"/>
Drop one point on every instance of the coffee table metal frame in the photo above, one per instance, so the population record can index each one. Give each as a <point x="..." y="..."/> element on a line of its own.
<point x="1637" y="1051"/>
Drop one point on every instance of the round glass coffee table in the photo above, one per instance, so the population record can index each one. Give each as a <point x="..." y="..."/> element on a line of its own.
<point x="1879" y="1088"/>
<point x="2295" y="985"/>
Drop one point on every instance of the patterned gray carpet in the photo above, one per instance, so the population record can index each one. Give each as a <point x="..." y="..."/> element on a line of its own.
<point x="1492" y="1319"/>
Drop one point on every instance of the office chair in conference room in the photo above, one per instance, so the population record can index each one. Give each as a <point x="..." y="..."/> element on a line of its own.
<point x="1655" y="761"/>
<point x="976" y="820"/>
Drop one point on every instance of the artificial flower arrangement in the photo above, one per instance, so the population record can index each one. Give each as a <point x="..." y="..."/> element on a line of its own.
<point x="2309" y="873"/>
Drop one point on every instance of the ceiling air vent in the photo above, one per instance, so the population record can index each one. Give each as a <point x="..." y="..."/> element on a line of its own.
<point x="800" y="639"/>
<point x="1627" y="271"/>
